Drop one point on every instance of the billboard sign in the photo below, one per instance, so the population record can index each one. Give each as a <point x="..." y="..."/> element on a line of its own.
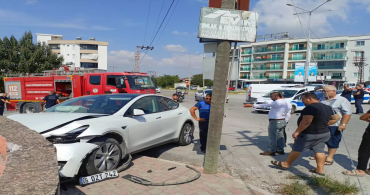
<point x="312" y="72"/>
<point x="299" y="72"/>
<point x="225" y="24"/>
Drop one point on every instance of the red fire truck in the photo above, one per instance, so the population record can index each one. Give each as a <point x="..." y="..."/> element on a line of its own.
<point x="26" y="92"/>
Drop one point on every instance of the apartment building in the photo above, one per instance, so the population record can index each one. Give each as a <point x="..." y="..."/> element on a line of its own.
<point x="78" y="53"/>
<point x="274" y="60"/>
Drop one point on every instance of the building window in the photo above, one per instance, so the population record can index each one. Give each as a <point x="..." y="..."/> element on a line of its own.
<point x="297" y="56"/>
<point x="321" y="46"/>
<point x="67" y="45"/>
<point x="276" y="48"/>
<point x="95" y="80"/>
<point x="276" y="57"/>
<point x="89" y="47"/>
<point x="89" y="65"/>
<point x="67" y="54"/>
<point x="355" y="74"/>
<point x="358" y="54"/>
<point x="360" y="43"/>
<point x="73" y="56"/>
<point x="275" y="66"/>
<point x="339" y="45"/>
<point x="331" y="65"/>
<point x="54" y="46"/>
<point x="73" y="47"/>
<point x="336" y="74"/>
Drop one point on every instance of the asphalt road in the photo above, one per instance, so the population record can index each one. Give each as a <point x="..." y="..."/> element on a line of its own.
<point x="245" y="136"/>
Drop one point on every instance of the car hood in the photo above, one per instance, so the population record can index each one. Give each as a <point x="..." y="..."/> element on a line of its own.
<point x="41" y="122"/>
<point x="264" y="100"/>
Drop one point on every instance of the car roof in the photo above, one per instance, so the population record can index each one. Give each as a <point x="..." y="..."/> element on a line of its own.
<point x="131" y="95"/>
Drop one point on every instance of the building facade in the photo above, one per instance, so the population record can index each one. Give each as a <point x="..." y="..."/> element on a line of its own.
<point x="78" y="53"/>
<point x="274" y="60"/>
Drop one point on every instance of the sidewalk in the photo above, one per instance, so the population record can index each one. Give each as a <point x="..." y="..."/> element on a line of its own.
<point x="221" y="183"/>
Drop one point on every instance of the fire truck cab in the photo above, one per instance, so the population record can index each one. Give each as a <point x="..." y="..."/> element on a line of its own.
<point x="26" y="93"/>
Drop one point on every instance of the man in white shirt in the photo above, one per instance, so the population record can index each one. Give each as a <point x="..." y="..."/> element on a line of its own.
<point x="279" y="116"/>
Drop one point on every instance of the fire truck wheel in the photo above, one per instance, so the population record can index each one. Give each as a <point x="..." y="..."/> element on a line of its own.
<point x="30" y="108"/>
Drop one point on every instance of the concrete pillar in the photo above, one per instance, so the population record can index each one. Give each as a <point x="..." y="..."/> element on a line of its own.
<point x="286" y="59"/>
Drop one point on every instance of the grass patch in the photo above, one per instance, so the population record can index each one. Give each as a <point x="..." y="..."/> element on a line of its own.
<point x="295" y="189"/>
<point x="326" y="184"/>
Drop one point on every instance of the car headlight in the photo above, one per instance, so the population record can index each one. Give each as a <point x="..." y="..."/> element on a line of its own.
<point x="69" y="137"/>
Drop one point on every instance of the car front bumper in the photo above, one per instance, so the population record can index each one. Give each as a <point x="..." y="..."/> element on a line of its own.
<point x="70" y="157"/>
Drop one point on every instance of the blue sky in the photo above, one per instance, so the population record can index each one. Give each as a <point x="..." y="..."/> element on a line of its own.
<point x="122" y="23"/>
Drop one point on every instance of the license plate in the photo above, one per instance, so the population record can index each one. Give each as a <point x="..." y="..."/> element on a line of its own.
<point x="98" y="177"/>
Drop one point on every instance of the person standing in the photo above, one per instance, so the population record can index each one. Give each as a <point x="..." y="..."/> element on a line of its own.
<point x="342" y="107"/>
<point x="347" y="93"/>
<point x="51" y="100"/>
<point x="363" y="151"/>
<point x="359" y="98"/>
<point x="278" y="115"/>
<point x="175" y="97"/>
<point x="3" y="99"/>
<point x="312" y="132"/>
<point x="204" y="108"/>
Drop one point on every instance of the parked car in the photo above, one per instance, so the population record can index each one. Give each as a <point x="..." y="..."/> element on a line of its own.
<point x="158" y="90"/>
<point x="93" y="133"/>
<point x="201" y="95"/>
<point x="257" y="90"/>
<point x="231" y="88"/>
<point x="194" y="87"/>
<point x="366" y="96"/>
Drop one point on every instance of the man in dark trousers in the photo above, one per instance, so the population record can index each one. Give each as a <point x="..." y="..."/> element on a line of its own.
<point x="312" y="132"/>
<point x="204" y="108"/>
<point x="359" y="98"/>
<point x="363" y="151"/>
<point x="51" y="100"/>
<point x="3" y="99"/>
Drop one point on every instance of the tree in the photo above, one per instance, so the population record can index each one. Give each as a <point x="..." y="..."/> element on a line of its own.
<point x="198" y="80"/>
<point x="24" y="56"/>
<point x="167" y="81"/>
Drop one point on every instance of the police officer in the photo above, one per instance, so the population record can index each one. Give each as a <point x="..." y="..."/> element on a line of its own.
<point x="204" y="112"/>
<point x="51" y="100"/>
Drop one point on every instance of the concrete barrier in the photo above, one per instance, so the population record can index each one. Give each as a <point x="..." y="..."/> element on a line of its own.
<point x="28" y="161"/>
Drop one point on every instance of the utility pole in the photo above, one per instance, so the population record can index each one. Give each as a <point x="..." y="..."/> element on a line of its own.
<point x="113" y="67"/>
<point x="218" y="100"/>
<point x="137" y="56"/>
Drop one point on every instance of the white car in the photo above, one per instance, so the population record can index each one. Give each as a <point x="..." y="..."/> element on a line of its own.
<point x="93" y="133"/>
<point x="201" y="95"/>
<point x="158" y="90"/>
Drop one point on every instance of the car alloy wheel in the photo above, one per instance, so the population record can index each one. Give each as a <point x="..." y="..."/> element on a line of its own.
<point x="107" y="157"/>
<point x="187" y="133"/>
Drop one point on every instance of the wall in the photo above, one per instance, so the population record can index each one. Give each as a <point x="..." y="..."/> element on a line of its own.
<point x="43" y="39"/>
<point x="103" y="57"/>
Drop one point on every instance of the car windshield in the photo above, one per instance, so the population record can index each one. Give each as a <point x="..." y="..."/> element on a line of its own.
<point x="286" y="93"/>
<point x="208" y="91"/>
<point x="140" y="82"/>
<point x="104" y="104"/>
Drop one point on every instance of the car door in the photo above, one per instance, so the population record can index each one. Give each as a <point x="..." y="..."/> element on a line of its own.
<point x="145" y="130"/>
<point x="198" y="94"/>
<point x="171" y="117"/>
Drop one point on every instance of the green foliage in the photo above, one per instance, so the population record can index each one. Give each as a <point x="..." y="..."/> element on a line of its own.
<point x="295" y="188"/>
<point x="198" y="80"/>
<point x="334" y="186"/>
<point x="166" y="81"/>
<point x="24" y="56"/>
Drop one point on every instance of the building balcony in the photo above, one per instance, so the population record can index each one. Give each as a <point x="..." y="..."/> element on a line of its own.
<point x="246" y="52"/>
<point x="259" y="68"/>
<point x="291" y="68"/>
<point x="330" y="58"/>
<point x="290" y="77"/>
<point x="245" y="69"/>
<point x="258" y="77"/>
<point x="244" y="77"/>
<point x="275" y="77"/>
<point x="274" y="68"/>
<point x="298" y="49"/>
<point x="330" y="67"/>
<point x="335" y="78"/>
<point x="269" y="50"/>
<point x="329" y="48"/>
<point x="246" y="61"/>
<point x="267" y="59"/>
<point x="298" y="58"/>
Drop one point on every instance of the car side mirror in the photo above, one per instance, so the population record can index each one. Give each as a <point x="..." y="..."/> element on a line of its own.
<point x="138" y="112"/>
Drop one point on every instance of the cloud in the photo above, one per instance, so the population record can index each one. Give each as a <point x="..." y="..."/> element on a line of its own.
<point x="31" y="2"/>
<point x="21" y="19"/>
<point x="179" y="33"/>
<point x="276" y="16"/>
<point x="175" y="48"/>
<point x="177" y="63"/>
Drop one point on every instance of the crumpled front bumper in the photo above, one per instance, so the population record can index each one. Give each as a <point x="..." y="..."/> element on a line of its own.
<point x="73" y="154"/>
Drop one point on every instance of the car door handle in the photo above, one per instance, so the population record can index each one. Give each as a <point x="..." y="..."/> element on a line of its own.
<point x="180" y="114"/>
<point x="158" y="117"/>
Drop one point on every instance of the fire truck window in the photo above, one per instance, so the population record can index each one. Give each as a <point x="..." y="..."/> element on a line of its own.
<point x="111" y="79"/>
<point x="95" y="80"/>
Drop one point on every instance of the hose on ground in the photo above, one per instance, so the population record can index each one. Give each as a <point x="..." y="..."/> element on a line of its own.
<point x="125" y="165"/>
<point x="149" y="183"/>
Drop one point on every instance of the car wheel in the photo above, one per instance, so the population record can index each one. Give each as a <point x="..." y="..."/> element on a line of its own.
<point x="292" y="111"/>
<point x="30" y="108"/>
<point x="258" y="111"/>
<point x="106" y="157"/>
<point x="186" y="135"/>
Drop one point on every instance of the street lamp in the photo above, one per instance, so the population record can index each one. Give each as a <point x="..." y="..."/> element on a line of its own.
<point x="189" y="67"/>
<point x="308" y="57"/>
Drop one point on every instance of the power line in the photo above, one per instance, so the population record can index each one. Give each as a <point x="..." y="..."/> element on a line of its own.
<point x="158" y="19"/>
<point x="147" y="19"/>
<point x="167" y="23"/>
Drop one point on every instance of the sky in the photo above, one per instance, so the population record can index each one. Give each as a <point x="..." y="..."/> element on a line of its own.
<point x="126" y="24"/>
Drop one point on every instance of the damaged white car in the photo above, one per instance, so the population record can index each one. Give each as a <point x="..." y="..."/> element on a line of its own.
<point x="93" y="133"/>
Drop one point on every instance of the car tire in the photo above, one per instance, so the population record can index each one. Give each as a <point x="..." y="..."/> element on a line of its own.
<point x="258" y="111"/>
<point x="186" y="134"/>
<point x="30" y="108"/>
<point x="91" y="164"/>
<point x="292" y="111"/>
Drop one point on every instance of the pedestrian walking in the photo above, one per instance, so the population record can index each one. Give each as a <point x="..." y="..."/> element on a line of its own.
<point x="312" y="132"/>
<point x="363" y="151"/>
<point x="359" y="98"/>
<point x="347" y="93"/>
<point x="3" y="99"/>
<point x="287" y="117"/>
<point x="278" y="116"/>
<point x="51" y="100"/>
<point x="204" y="108"/>
<point x="342" y="107"/>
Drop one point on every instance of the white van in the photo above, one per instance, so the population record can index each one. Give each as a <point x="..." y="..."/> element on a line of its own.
<point x="257" y="90"/>
<point x="291" y="94"/>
